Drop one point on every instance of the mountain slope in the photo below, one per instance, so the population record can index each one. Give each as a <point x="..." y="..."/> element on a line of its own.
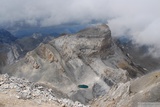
<point x="29" y="43"/>
<point x="140" y="55"/>
<point x="11" y="48"/>
<point x="6" y="48"/>
<point x="143" y="89"/>
<point x="89" y="58"/>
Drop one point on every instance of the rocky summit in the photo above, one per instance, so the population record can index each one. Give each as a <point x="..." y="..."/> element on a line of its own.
<point x="79" y="67"/>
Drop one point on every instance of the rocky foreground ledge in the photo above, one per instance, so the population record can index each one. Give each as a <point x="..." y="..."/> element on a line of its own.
<point x="15" y="92"/>
<point x="145" y="89"/>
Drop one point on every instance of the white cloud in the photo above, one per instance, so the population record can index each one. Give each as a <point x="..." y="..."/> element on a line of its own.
<point x="139" y="19"/>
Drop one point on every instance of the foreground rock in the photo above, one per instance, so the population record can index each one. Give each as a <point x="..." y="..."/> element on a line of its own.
<point x="143" y="89"/>
<point x="15" y="90"/>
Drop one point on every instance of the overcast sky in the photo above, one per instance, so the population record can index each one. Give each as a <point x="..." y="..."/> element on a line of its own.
<point x="139" y="19"/>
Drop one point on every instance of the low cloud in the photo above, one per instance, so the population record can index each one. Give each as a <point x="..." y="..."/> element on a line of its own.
<point x="139" y="19"/>
<point x="51" y="12"/>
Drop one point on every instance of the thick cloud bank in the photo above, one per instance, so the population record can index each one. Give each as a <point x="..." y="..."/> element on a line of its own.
<point x="139" y="19"/>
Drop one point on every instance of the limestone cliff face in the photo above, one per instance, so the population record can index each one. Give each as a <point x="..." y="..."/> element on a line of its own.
<point x="89" y="57"/>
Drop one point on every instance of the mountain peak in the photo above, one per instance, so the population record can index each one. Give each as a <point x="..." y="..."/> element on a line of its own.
<point x="103" y="27"/>
<point x="97" y="31"/>
<point x="88" y="58"/>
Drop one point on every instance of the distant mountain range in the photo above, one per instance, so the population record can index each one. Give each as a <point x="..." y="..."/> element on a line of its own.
<point x="6" y="36"/>
<point x="52" y="31"/>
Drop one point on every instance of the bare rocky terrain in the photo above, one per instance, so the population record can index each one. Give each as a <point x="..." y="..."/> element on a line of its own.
<point x="83" y="68"/>
<point x="143" y="89"/>
<point x="89" y="57"/>
<point x="17" y="92"/>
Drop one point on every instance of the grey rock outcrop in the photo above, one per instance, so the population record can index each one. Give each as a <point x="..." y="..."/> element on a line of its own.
<point x="31" y="91"/>
<point x="143" y="89"/>
<point x="89" y="57"/>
